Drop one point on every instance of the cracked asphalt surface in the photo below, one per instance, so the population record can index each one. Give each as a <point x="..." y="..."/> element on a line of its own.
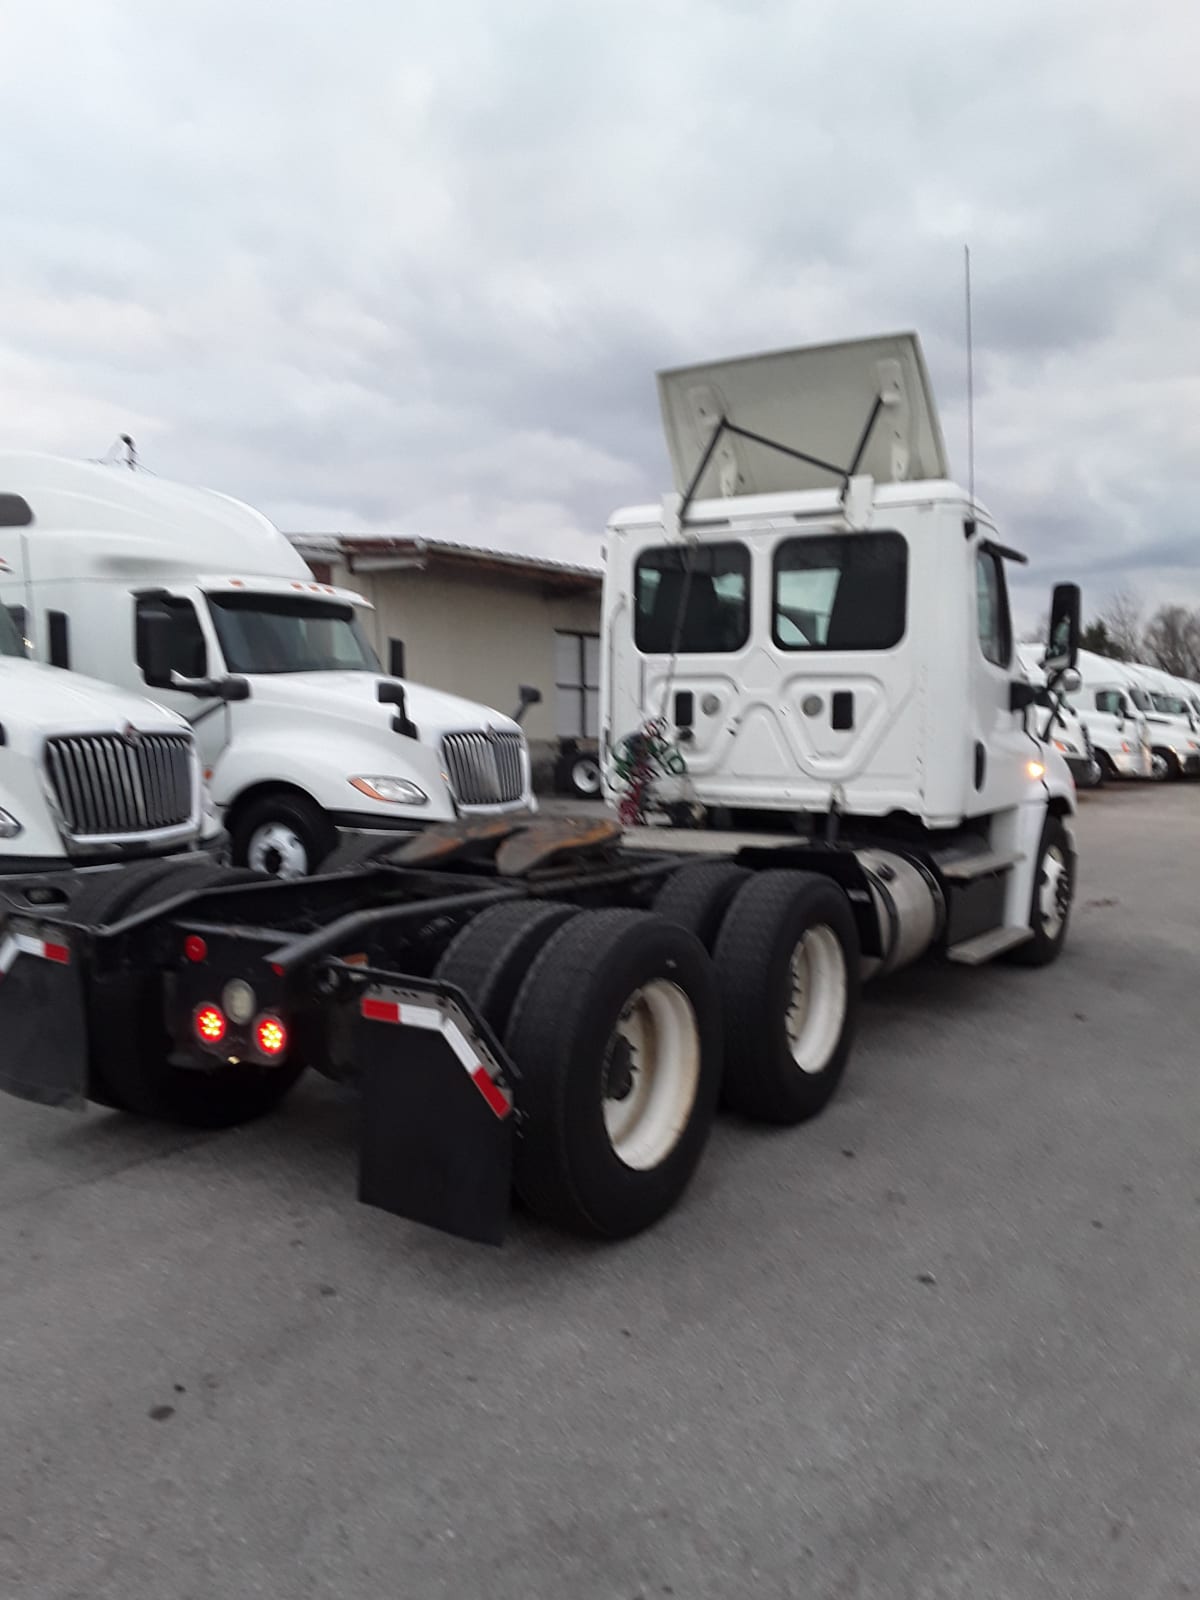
<point x="943" y="1341"/>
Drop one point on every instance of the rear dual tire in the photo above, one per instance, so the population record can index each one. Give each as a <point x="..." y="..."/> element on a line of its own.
<point x="616" y="1034"/>
<point x="611" y="1021"/>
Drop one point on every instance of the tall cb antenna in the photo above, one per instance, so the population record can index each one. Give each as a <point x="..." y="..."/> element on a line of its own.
<point x="970" y="387"/>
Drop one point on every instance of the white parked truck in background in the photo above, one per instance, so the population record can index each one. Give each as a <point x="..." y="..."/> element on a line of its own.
<point x="1117" y="729"/>
<point x="1171" y="723"/>
<point x="1059" y="723"/>
<point x="301" y="734"/>
<point x="553" y="1004"/>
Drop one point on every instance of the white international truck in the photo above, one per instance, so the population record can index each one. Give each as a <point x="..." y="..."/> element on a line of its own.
<point x="1172" y="724"/>
<point x="301" y="734"/>
<point x="1103" y="700"/>
<point x="816" y="629"/>
<point x="1060" y="723"/>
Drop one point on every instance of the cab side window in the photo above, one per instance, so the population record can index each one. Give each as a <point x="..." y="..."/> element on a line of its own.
<point x="1109" y="701"/>
<point x="189" y="654"/>
<point x="991" y="602"/>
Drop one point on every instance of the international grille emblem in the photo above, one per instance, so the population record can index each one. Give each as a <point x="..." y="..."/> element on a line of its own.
<point x="130" y="734"/>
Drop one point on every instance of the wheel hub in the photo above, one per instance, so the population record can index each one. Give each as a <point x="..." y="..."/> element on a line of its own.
<point x="816" y="999"/>
<point x="1054" y="897"/>
<point x="278" y="850"/>
<point x="651" y="1073"/>
<point x="620" y="1069"/>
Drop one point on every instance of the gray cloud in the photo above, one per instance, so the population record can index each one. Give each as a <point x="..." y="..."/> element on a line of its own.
<point x="413" y="267"/>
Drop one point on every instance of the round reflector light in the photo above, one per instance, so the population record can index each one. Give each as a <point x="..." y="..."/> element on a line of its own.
<point x="270" y="1035"/>
<point x="210" y="1024"/>
<point x="194" y="948"/>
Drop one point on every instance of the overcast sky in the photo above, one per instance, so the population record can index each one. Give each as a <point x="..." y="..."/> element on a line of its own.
<point x="412" y="267"/>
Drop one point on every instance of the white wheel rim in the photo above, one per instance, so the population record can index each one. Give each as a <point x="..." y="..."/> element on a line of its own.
<point x="279" y="850"/>
<point x="585" y="775"/>
<point x="1158" y="765"/>
<point x="816" y="1009"/>
<point x="1054" y="891"/>
<point x="652" y="1072"/>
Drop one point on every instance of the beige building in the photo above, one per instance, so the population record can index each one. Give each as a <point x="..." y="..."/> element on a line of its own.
<point x="479" y="623"/>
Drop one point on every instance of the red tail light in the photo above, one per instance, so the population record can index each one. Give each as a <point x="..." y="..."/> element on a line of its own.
<point x="270" y="1036"/>
<point x="210" y="1024"/>
<point x="194" y="948"/>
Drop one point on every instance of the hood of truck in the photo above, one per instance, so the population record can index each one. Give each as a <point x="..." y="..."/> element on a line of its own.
<point x="40" y="701"/>
<point x="354" y="696"/>
<point x="817" y="400"/>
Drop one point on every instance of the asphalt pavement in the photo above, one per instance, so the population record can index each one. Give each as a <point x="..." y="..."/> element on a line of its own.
<point x="942" y="1342"/>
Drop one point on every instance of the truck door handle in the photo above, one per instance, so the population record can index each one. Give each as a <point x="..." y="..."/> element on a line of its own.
<point x="842" y="710"/>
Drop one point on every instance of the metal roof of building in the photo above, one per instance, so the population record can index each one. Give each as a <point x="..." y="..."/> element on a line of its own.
<point x="356" y="549"/>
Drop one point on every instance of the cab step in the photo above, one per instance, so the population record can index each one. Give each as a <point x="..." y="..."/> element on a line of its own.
<point x="985" y="946"/>
<point x="961" y="869"/>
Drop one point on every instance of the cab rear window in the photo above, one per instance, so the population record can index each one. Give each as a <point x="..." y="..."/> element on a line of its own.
<point x="693" y="600"/>
<point x="841" y="591"/>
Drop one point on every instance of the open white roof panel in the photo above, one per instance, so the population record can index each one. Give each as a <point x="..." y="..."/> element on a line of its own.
<point x="818" y="400"/>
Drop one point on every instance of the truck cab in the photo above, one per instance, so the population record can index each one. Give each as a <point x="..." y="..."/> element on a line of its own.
<point x="302" y="735"/>
<point x="90" y="776"/>
<point x="1059" y="723"/>
<point x="818" y="619"/>
<point x="1172" y="724"/>
<point x="1115" y="725"/>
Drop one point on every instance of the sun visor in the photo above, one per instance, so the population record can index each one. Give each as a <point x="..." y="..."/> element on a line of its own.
<point x="818" y="400"/>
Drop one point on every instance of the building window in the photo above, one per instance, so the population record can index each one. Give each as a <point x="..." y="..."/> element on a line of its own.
<point x="576" y="685"/>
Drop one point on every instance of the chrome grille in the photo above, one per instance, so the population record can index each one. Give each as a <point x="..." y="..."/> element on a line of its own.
<point x="107" y="783"/>
<point x="486" y="769"/>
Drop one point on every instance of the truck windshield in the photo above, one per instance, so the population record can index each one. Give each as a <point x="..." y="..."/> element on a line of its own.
<point x="279" y="633"/>
<point x="1170" y="705"/>
<point x="11" y="642"/>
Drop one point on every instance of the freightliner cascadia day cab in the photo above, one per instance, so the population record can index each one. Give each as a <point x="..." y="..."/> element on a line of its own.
<point x="300" y="732"/>
<point x="816" y="630"/>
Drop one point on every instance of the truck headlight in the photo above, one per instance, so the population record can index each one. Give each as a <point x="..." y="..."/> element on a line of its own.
<point x="398" y="791"/>
<point x="9" y="826"/>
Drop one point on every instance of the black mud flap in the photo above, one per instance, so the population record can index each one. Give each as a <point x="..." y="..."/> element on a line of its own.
<point x="437" y="1113"/>
<point x="43" y="1024"/>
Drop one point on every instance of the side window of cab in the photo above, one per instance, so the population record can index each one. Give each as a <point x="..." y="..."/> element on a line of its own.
<point x="991" y="603"/>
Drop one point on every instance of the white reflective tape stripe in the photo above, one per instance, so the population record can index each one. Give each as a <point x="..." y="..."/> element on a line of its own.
<point x="10" y="949"/>
<point x="29" y="946"/>
<point x="457" y="1040"/>
<point x="421" y="1017"/>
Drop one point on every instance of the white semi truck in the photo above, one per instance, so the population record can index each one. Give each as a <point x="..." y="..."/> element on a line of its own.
<point x="1172" y="724"/>
<point x="1060" y="723"/>
<point x="301" y="734"/>
<point x="815" y="629"/>
<point x="1116" y="727"/>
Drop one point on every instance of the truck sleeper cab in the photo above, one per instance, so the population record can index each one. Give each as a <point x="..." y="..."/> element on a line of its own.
<point x="1115" y="726"/>
<point x="1171" y="724"/>
<point x="302" y="734"/>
